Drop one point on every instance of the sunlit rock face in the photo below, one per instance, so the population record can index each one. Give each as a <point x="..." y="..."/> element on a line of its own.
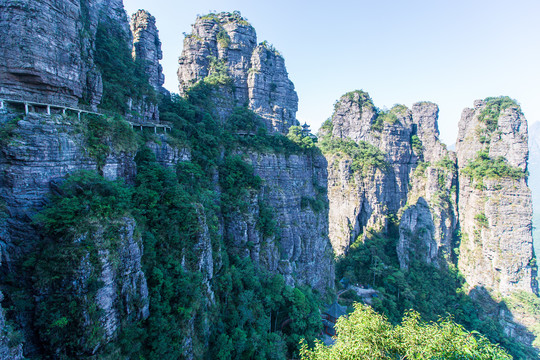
<point x="496" y="250"/>
<point x="223" y="48"/>
<point x="414" y="191"/>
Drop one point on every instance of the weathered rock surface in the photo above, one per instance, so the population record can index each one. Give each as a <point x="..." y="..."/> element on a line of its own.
<point x="225" y="46"/>
<point x="44" y="54"/>
<point x="147" y="47"/>
<point x="534" y="180"/>
<point x="369" y="199"/>
<point x="495" y="212"/>
<point x="166" y="154"/>
<point x="40" y="149"/>
<point x="300" y="249"/>
<point x="48" y="48"/>
<point x="37" y="151"/>
<point x="147" y="53"/>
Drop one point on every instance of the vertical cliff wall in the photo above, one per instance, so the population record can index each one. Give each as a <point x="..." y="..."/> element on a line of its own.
<point x="412" y="179"/>
<point x="534" y="180"/>
<point x="299" y="250"/>
<point x="47" y="51"/>
<point x="495" y="204"/>
<point x="222" y="48"/>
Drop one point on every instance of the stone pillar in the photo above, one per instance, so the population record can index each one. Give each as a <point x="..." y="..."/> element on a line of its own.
<point x="26" y="108"/>
<point x="48" y="109"/>
<point x="79" y="115"/>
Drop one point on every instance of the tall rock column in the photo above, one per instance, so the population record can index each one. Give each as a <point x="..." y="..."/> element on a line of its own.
<point x="147" y="47"/>
<point x="389" y="167"/>
<point x="495" y="205"/>
<point x="222" y="50"/>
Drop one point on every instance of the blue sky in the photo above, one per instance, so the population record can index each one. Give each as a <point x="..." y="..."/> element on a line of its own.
<point x="448" y="52"/>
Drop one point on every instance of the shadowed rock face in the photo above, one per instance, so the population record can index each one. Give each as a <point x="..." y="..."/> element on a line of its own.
<point x="47" y="49"/>
<point x="495" y="211"/>
<point x="44" y="57"/>
<point x="367" y="201"/>
<point x="299" y="249"/>
<point x="257" y="74"/>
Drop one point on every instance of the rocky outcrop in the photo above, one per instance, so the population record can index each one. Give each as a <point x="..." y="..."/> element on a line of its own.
<point x="411" y="181"/>
<point x="495" y="205"/>
<point x="111" y="258"/>
<point x="294" y="190"/>
<point x="147" y="47"/>
<point x="38" y="150"/>
<point x="534" y="180"/>
<point x="49" y="52"/>
<point x="147" y="53"/>
<point x="222" y="49"/>
<point x="45" y="58"/>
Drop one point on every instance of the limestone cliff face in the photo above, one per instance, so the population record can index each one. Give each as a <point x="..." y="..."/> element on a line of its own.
<point x="147" y="53"/>
<point x="122" y="295"/>
<point x="49" y="52"/>
<point x="223" y="48"/>
<point x="414" y="184"/>
<point x="299" y="250"/>
<point x="44" y="56"/>
<point x="534" y="180"/>
<point x="495" y="207"/>
<point x="147" y="47"/>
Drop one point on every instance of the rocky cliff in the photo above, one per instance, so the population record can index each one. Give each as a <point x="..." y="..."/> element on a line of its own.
<point x="299" y="250"/>
<point x="147" y="47"/>
<point x="147" y="54"/>
<point x="45" y="57"/>
<point x="495" y="205"/>
<point x="71" y="65"/>
<point x="534" y="180"/>
<point x="222" y="48"/>
<point x="399" y="170"/>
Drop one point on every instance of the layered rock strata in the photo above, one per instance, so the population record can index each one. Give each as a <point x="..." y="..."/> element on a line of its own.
<point x="413" y="184"/>
<point x="299" y="249"/>
<point x="44" y="57"/>
<point x="147" y="53"/>
<point x="147" y="47"/>
<point x="495" y="205"/>
<point x="222" y="48"/>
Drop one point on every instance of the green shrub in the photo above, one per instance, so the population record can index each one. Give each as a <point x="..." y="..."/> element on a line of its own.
<point x="365" y="334"/>
<point x="365" y="156"/>
<point x="483" y="167"/>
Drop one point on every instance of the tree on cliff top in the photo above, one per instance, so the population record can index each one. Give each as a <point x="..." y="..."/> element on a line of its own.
<point x="365" y="334"/>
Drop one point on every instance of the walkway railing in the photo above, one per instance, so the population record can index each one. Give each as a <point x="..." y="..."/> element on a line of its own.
<point x="32" y="106"/>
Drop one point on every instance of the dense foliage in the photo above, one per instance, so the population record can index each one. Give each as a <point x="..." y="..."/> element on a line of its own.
<point x="365" y="334"/>
<point x="242" y="312"/>
<point x="365" y="157"/>
<point x="432" y="292"/>
<point x="484" y="167"/>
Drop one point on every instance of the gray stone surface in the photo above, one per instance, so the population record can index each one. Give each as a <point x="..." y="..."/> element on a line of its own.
<point x="365" y="202"/>
<point x="44" y="57"/>
<point x="300" y="250"/>
<point x="258" y="77"/>
<point x="534" y="180"/>
<point x="497" y="256"/>
<point x="147" y="47"/>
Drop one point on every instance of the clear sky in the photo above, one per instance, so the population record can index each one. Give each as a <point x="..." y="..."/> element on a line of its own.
<point x="447" y="52"/>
